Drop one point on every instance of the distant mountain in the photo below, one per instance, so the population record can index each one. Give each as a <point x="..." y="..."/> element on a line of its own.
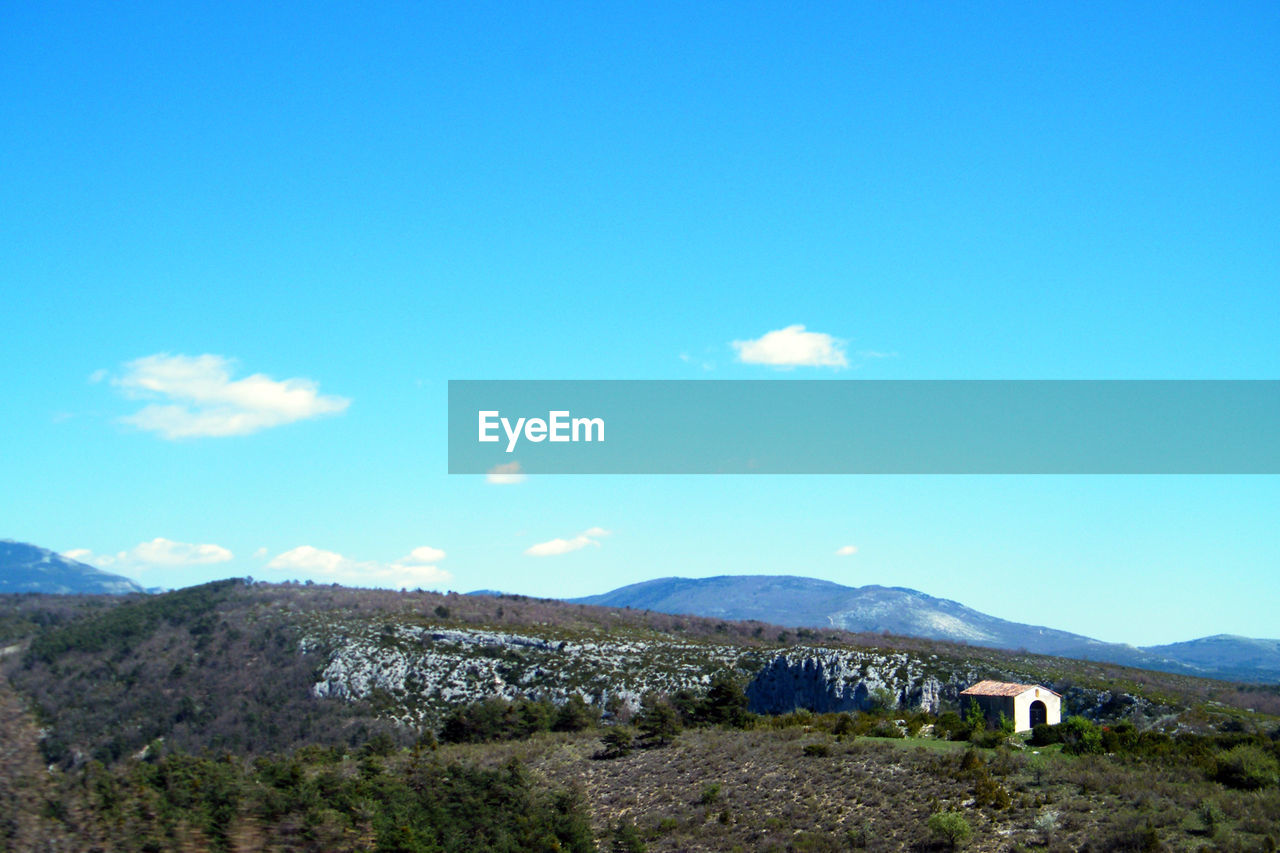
<point x="29" y="568"/>
<point x="1228" y="655"/>
<point x="806" y="602"/>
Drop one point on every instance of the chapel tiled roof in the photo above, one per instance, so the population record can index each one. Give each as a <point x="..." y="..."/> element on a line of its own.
<point x="997" y="688"/>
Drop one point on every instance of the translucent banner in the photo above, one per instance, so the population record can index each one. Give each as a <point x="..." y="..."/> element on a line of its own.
<point x="864" y="427"/>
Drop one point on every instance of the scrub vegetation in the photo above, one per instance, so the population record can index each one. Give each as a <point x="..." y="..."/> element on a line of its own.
<point x="190" y="721"/>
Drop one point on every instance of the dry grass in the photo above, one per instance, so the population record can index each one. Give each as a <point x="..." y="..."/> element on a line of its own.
<point x="878" y="794"/>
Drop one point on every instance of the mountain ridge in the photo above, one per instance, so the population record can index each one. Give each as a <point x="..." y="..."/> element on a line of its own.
<point x="814" y="603"/>
<point x="29" y="568"/>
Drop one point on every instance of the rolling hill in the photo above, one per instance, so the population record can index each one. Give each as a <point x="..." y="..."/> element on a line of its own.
<point x="811" y="603"/>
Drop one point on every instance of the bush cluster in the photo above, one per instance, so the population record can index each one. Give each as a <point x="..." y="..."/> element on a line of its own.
<point x="317" y="800"/>
<point x="495" y="718"/>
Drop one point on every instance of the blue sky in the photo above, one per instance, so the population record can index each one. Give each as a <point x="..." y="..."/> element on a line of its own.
<point x="372" y="201"/>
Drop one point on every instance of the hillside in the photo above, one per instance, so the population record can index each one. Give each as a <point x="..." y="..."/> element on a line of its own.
<point x="1228" y="656"/>
<point x="807" y="602"/>
<point x="323" y="700"/>
<point x="29" y="568"/>
<point x="262" y="667"/>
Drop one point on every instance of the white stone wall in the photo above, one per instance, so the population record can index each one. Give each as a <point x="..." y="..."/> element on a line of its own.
<point x="1022" y="708"/>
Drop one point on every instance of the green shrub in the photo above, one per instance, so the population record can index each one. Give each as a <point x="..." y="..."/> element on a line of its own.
<point x="495" y="718"/>
<point x="710" y="793"/>
<point x="817" y="750"/>
<point x="421" y="805"/>
<point x="381" y="744"/>
<point x="1044" y="734"/>
<point x="951" y="727"/>
<point x="658" y="721"/>
<point x="974" y="718"/>
<point x="1247" y="767"/>
<point x="882" y="699"/>
<point x="989" y="792"/>
<point x="1046" y="825"/>
<point x="1080" y="736"/>
<point x="1122" y="737"/>
<point x="725" y="703"/>
<point x="575" y="715"/>
<point x="1211" y="817"/>
<point x="972" y="761"/>
<point x="626" y="838"/>
<point x="887" y="728"/>
<point x="988" y="739"/>
<point x="950" y="827"/>
<point x="856" y="837"/>
<point x="617" y="743"/>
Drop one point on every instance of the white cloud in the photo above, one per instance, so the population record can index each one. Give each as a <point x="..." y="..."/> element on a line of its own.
<point x="793" y="347"/>
<point x="201" y="398"/>
<point x="847" y="551"/>
<point x="98" y="375"/>
<point x="507" y="473"/>
<point x="425" y="554"/>
<point x="563" y="546"/>
<point x="308" y="559"/>
<point x="166" y="552"/>
<point x="259" y="554"/>
<point x="416" y="569"/>
<point x="158" y="553"/>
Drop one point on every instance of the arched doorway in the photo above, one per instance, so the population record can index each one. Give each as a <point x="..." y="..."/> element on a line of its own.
<point x="1039" y="713"/>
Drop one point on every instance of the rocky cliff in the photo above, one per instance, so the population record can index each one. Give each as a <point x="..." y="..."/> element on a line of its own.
<point x="826" y="680"/>
<point x="414" y="672"/>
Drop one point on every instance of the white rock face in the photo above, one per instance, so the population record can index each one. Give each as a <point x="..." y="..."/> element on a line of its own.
<point x="412" y="673"/>
<point x="420" y="670"/>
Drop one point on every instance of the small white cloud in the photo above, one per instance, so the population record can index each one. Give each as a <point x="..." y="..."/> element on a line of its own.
<point x="424" y="554"/>
<point x="554" y="547"/>
<point x="260" y="554"/>
<point x="559" y="546"/>
<point x="166" y="552"/>
<point x="201" y="399"/>
<point x="159" y="553"/>
<point x="309" y="559"/>
<point x="703" y="363"/>
<point x="793" y="347"/>
<point x="871" y="353"/>
<point x="98" y="375"/>
<point x="84" y="555"/>
<point x="847" y="551"/>
<point x="505" y="474"/>
<point x="412" y="570"/>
